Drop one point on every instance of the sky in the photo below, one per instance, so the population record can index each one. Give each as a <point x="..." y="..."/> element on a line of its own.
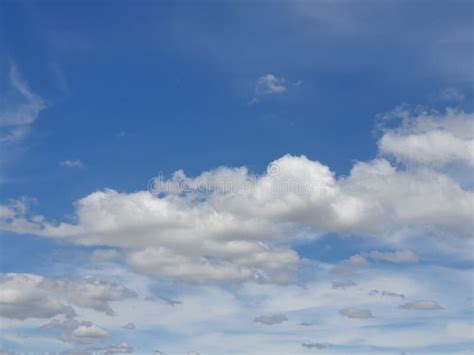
<point x="236" y="177"/>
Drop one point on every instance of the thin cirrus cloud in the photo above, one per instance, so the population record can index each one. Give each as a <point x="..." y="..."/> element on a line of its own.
<point x="399" y="257"/>
<point x="239" y="219"/>
<point x="19" y="108"/>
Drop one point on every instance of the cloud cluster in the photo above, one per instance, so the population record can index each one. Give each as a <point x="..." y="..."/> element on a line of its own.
<point x="80" y="332"/>
<point x="240" y="225"/>
<point x="430" y="138"/>
<point x="32" y="296"/>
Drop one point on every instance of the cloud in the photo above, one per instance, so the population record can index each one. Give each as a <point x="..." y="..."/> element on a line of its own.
<point x="399" y="257"/>
<point x="270" y="84"/>
<point x="121" y="348"/>
<point x="19" y="108"/>
<point x="75" y="164"/>
<point x="357" y="260"/>
<point x="90" y="293"/>
<point x="129" y="326"/>
<point x="423" y="305"/>
<point x="451" y="95"/>
<point x="22" y="296"/>
<point x="32" y="296"/>
<point x="386" y="294"/>
<point x="271" y="319"/>
<point x="81" y="332"/>
<point x="430" y="138"/>
<point x="232" y="225"/>
<point x="105" y="255"/>
<point x="356" y="313"/>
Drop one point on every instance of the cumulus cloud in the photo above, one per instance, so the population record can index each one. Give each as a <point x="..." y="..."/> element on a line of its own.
<point x="404" y="256"/>
<point x="271" y="319"/>
<point x="77" y="164"/>
<point x="357" y="260"/>
<point x="270" y="84"/>
<point x="33" y="296"/>
<point x="422" y="305"/>
<point x="19" y="108"/>
<point x="90" y="293"/>
<point x="230" y="224"/>
<point x="22" y="296"/>
<point x="356" y="313"/>
<point x="430" y="138"/>
<point x="80" y="332"/>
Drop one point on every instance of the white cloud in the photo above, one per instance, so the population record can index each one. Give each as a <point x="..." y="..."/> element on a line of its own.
<point x="270" y="84"/>
<point x="105" y="255"/>
<point x="19" y="108"/>
<point x="81" y="332"/>
<point x="21" y="297"/>
<point x="422" y="305"/>
<point x="32" y="296"/>
<point x="76" y="163"/>
<point x="403" y="256"/>
<point x="430" y="138"/>
<point x="229" y="224"/>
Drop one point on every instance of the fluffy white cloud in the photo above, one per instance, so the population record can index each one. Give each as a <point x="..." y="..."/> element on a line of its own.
<point x="32" y="296"/>
<point x="270" y="84"/>
<point x="431" y="138"/>
<point x="81" y="332"/>
<point x="22" y="296"/>
<point x="228" y="224"/>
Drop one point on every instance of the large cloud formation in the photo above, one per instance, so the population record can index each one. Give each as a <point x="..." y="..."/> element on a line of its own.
<point x="228" y="224"/>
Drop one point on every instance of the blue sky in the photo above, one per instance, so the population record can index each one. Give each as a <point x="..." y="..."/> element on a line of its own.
<point x="334" y="142"/>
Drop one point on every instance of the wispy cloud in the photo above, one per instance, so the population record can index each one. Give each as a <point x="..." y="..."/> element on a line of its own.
<point x="75" y="163"/>
<point x="422" y="305"/>
<point x="404" y="256"/>
<point x="19" y="108"/>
